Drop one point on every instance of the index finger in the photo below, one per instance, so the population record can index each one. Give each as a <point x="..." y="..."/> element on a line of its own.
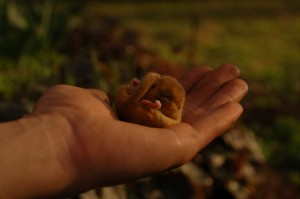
<point x="206" y="128"/>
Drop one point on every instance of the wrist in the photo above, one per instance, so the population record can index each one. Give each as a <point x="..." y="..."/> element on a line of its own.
<point x="35" y="156"/>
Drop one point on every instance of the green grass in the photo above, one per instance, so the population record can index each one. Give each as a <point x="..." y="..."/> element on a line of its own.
<point x="260" y="37"/>
<point x="262" y="44"/>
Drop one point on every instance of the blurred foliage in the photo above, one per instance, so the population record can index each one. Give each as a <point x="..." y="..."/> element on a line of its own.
<point x="285" y="130"/>
<point x="27" y="39"/>
<point x="92" y="44"/>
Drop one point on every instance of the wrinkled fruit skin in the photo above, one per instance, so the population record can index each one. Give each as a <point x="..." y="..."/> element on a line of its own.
<point x="155" y="101"/>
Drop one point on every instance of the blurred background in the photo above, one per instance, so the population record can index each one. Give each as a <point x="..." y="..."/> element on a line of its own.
<point x="103" y="44"/>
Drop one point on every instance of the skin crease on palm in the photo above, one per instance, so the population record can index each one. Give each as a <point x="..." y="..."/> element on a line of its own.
<point x="84" y="145"/>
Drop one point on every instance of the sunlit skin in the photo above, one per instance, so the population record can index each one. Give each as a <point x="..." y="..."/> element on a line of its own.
<point x="72" y="140"/>
<point x="155" y="101"/>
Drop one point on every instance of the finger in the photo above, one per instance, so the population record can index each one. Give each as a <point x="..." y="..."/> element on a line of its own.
<point x="234" y="90"/>
<point x="99" y="94"/>
<point x="194" y="134"/>
<point x="211" y="83"/>
<point x="216" y="122"/>
<point x="191" y="78"/>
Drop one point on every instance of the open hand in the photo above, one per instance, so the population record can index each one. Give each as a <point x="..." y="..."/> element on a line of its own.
<point x="101" y="150"/>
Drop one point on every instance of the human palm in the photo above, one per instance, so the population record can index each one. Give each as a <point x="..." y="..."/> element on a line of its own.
<point x="107" y="151"/>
